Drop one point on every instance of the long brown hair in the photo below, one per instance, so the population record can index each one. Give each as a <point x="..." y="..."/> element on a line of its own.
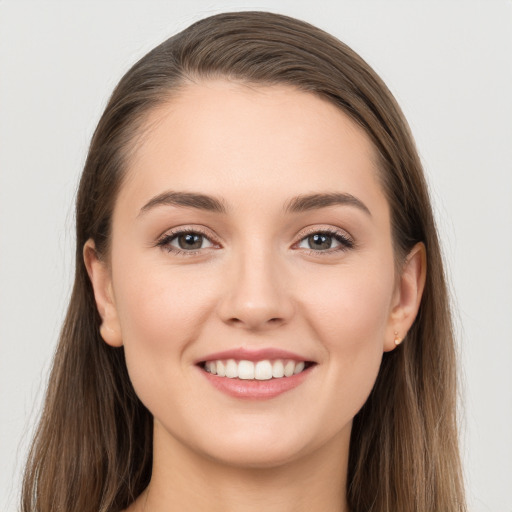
<point x="93" y="448"/>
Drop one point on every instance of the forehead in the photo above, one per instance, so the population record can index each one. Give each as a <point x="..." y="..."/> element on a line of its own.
<point x="250" y="141"/>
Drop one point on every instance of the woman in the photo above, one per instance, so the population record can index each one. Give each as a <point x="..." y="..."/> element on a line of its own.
<point x="259" y="318"/>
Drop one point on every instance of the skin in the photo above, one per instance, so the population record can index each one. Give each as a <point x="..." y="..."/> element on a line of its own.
<point x="255" y="283"/>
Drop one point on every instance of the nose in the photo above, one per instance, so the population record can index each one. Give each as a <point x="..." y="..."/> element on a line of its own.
<point x="257" y="295"/>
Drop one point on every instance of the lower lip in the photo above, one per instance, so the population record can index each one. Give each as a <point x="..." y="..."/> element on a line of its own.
<point x="256" y="389"/>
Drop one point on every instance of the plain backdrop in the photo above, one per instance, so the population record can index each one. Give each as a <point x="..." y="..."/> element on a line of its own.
<point x="449" y="63"/>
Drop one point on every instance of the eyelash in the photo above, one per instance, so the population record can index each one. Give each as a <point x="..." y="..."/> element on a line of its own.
<point x="165" y="241"/>
<point x="345" y="242"/>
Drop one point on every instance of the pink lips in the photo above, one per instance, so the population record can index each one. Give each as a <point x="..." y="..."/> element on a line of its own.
<point x="254" y="389"/>
<point x="252" y="355"/>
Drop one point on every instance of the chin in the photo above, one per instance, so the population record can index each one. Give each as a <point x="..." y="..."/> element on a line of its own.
<point x="267" y="446"/>
<point x="256" y="456"/>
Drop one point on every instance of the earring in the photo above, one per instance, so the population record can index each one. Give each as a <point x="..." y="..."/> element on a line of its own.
<point x="397" y="339"/>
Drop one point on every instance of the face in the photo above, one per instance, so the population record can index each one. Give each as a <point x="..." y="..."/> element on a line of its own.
<point x="251" y="237"/>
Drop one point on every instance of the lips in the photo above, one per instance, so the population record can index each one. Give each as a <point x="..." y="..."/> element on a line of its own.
<point x="263" y="373"/>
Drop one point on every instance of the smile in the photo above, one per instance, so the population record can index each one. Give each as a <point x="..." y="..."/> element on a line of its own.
<point x="255" y="374"/>
<point x="265" y="369"/>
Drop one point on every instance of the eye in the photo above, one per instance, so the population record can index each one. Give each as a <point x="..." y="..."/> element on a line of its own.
<point x="190" y="241"/>
<point x="185" y="241"/>
<point x="326" y="241"/>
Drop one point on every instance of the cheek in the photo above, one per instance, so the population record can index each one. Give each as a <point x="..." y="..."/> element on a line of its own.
<point x="160" y="312"/>
<point x="350" y="316"/>
<point x="351" y="306"/>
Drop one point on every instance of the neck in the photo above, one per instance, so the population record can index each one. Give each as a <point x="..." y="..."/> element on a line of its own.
<point x="185" y="481"/>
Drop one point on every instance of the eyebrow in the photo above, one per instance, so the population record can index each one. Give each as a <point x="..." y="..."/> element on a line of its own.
<point x="304" y="203"/>
<point x="296" y="204"/>
<point x="186" y="199"/>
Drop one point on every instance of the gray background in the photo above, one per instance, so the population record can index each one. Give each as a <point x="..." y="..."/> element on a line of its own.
<point x="447" y="62"/>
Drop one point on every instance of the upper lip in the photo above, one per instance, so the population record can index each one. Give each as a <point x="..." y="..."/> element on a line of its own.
<point x="247" y="354"/>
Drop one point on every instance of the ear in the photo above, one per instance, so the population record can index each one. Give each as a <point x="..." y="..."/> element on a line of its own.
<point x="407" y="297"/>
<point x="101" y="280"/>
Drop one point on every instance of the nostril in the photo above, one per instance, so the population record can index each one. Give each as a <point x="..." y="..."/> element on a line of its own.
<point x="249" y="321"/>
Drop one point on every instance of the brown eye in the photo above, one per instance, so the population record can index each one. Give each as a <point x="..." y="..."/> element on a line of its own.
<point x="190" y="241"/>
<point x="326" y="241"/>
<point x="319" y="241"/>
<point x="185" y="241"/>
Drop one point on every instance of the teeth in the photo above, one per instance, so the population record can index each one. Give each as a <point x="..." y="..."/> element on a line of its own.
<point x="221" y="368"/>
<point x="261" y="370"/>
<point x="211" y="367"/>
<point x="246" y="370"/>
<point x="231" y="369"/>
<point x="289" y="368"/>
<point x="278" y="369"/>
<point x="299" y="367"/>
